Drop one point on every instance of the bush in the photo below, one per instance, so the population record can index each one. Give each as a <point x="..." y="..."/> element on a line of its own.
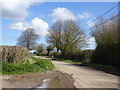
<point x="13" y="54"/>
<point x="107" y="55"/>
<point x="44" y="54"/>
<point x="58" y="55"/>
<point x="82" y="56"/>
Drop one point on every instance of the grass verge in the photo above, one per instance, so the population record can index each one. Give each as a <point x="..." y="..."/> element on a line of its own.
<point x="105" y="68"/>
<point x="46" y="56"/>
<point x="39" y="65"/>
<point x="68" y="61"/>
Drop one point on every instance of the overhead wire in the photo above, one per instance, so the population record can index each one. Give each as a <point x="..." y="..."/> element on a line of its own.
<point x="100" y="17"/>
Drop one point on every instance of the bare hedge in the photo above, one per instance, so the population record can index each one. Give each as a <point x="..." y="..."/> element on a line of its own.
<point x="13" y="54"/>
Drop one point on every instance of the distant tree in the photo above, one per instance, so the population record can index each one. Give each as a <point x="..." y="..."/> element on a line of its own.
<point x="40" y="49"/>
<point x="49" y="49"/>
<point x="67" y="36"/>
<point x="28" y="39"/>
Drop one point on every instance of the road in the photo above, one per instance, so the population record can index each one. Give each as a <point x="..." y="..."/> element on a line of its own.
<point x="86" y="77"/>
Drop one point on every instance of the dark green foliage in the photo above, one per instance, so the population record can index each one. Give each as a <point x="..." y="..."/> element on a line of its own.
<point x="56" y="54"/>
<point x="49" y="49"/>
<point x="107" y="40"/>
<point x="82" y="55"/>
<point x="107" y="55"/>
<point x="40" y="65"/>
<point x="44" y="54"/>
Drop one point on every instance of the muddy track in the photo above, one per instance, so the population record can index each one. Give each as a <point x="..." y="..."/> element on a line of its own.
<point x="33" y="80"/>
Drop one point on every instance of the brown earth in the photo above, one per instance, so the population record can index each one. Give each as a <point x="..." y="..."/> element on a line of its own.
<point x="33" y="80"/>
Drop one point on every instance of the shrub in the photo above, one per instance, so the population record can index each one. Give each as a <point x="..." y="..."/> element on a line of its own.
<point x="58" y="55"/>
<point x="107" y="55"/>
<point x="82" y="55"/>
<point x="52" y="54"/>
<point x="44" y="54"/>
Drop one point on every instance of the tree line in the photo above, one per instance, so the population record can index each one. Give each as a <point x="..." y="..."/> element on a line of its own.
<point x="69" y="37"/>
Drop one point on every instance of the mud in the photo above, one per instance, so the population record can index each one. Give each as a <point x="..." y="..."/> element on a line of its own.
<point x="33" y="80"/>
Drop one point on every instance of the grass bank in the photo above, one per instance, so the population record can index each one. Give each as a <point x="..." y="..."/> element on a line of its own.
<point x="105" y="68"/>
<point x="33" y="65"/>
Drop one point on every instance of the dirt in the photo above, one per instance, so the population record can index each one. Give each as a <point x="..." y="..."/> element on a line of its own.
<point x="33" y="80"/>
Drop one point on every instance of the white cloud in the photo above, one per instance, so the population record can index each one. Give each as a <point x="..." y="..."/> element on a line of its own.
<point x="91" y="43"/>
<point x="18" y="26"/>
<point x="62" y="14"/>
<point x="84" y="15"/>
<point x="15" y="9"/>
<point x="38" y="24"/>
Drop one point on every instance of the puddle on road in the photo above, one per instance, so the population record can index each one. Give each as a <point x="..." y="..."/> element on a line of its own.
<point x="50" y="83"/>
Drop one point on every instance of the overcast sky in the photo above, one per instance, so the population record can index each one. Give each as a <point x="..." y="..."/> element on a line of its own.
<point x="17" y="15"/>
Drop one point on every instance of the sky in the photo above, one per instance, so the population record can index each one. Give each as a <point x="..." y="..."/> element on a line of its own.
<point x="17" y="16"/>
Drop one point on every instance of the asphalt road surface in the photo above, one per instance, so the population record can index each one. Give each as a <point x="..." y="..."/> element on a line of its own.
<point x="86" y="77"/>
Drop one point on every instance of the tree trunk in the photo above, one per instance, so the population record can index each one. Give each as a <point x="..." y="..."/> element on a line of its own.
<point x="57" y="50"/>
<point x="48" y="53"/>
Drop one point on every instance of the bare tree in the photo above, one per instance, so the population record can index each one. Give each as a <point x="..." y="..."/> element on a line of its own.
<point x="107" y="33"/>
<point x="67" y="36"/>
<point x="28" y="39"/>
<point x="54" y="36"/>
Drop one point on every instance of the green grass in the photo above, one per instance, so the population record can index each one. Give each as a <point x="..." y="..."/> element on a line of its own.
<point x="106" y="68"/>
<point x="40" y="65"/>
<point x="46" y="56"/>
<point x="68" y="61"/>
<point x="72" y="62"/>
